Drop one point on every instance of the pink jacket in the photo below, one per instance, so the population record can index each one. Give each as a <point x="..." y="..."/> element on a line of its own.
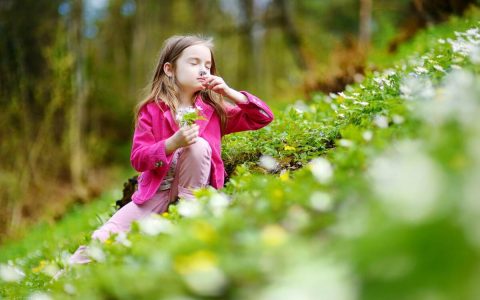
<point x="156" y="124"/>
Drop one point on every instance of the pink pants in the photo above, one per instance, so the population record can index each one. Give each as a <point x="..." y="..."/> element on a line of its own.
<point x="191" y="172"/>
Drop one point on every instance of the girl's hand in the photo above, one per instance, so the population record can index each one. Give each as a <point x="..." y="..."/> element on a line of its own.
<point x="216" y="84"/>
<point x="185" y="136"/>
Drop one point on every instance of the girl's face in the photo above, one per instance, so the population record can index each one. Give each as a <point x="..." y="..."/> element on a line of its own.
<point x="193" y="64"/>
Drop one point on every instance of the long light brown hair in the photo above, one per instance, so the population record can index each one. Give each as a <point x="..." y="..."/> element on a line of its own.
<point x="163" y="88"/>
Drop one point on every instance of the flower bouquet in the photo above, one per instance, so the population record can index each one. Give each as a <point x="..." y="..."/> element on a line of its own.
<point x="189" y="115"/>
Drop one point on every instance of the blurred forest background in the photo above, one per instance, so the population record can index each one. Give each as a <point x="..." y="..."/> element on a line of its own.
<point x="72" y="71"/>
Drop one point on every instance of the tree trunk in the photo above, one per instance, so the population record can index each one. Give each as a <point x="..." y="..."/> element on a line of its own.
<point x="79" y="99"/>
<point x="365" y="28"/>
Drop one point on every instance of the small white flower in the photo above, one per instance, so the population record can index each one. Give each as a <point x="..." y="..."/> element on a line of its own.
<point x="50" y="270"/>
<point x="189" y="208"/>
<point x="421" y="70"/>
<point x="438" y="68"/>
<point x="407" y="181"/>
<point x="345" y="143"/>
<point x="416" y="88"/>
<point x="218" y="203"/>
<point x="321" y="201"/>
<point x="397" y="119"/>
<point x="11" y="273"/>
<point x="69" y="289"/>
<point x="39" y="296"/>
<point x="301" y="107"/>
<point x="314" y="278"/>
<point x="154" y="225"/>
<point x="95" y="252"/>
<point x="268" y="162"/>
<point x="367" y="135"/>
<point x="475" y="55"/>
<point x="321" y="169"/>
<point x="206" y="282"/>
<point x="363" y="103"/>
<point x="381" y="121"/>
<point x="121" y="238"/>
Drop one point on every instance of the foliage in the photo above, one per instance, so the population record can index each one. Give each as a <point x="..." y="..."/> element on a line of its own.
<point x="383" y="207"/>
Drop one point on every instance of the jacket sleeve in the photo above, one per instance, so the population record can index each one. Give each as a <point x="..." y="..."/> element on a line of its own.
<point x="147" y="153"/>
<point x="252" y="115"/>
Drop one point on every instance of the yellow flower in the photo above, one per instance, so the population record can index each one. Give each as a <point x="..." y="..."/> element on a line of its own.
<point x="273" y="235"/>
<point x="204" y="231"/>
<point x="165" y="214"/>
<point x="289" y="148"/>
<point x="277" y="193"/>
<point x="285" y="176"/>
<point x="200" y="260"/>
<point x="39" y="267"/>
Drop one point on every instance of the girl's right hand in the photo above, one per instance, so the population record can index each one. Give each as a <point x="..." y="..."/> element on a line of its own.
<point x="185" y="136"/>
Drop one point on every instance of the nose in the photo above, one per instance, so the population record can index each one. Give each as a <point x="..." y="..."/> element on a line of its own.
<point x="203" y="73"/>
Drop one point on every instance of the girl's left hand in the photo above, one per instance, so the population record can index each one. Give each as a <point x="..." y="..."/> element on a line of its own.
<point x="216" y="84"/>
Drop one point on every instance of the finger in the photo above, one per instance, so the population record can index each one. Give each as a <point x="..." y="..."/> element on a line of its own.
<point x="214" y="82"/>
<point x="193" y="129"/>
<point x="216" y="86"/>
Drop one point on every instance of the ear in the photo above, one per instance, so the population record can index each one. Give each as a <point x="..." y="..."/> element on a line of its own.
<point x="168" y="69"/>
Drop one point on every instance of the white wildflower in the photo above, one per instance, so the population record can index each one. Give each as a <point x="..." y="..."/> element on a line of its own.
<point x="209" y="281"/>
<point x="297" y="218"/>
<point x="474" y="55"/>
<point x="397" y="119"/>
<point x="367" y="135"/>
<point x="189" y="208"/>
<point x="413" y="87"/>
<point x="69" y="289"/>
<point x="420" y="70"/>
<point x="321" y="169"/>
<point x="381" y="121"/>
<point x="438" y="68"/>
<point x="345" y="143"/>
<point x="363" y="103"/>
<point x="407" y="182"/>
<point x="321" y="201"/>
<point x="122" y="239"/>
<point x="39" y="296"/>
<point x="456" y="100"/>
<point x="310" y="279"/>
<point x="268" y="162"/>
<point x="301" y="107"/>
<point x="50" y="269"/>
<point x="96" y="252"/>
<point x="154" y="225"/>
<point x="218" y="203"/>
<point x="11" y="273"/>
<point x="184" y="111"/>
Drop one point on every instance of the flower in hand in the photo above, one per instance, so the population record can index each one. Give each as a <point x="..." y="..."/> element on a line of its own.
<point x="188" y="116"/>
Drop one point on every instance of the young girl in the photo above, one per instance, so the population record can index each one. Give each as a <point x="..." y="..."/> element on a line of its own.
<point x="174" y="160"/>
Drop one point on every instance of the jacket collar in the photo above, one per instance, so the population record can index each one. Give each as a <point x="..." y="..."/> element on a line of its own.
<point x="205" y="110"/>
